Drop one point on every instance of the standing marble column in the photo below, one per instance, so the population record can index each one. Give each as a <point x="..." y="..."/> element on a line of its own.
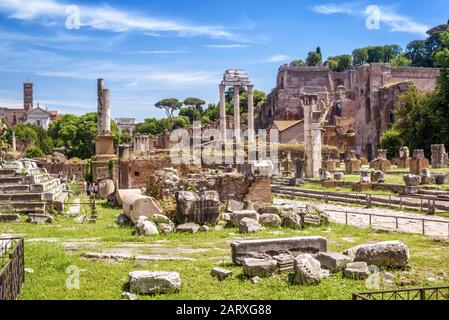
<point x="14" y="145"/>
<point x="106" y="114"/>
<point x="223" y="112"/>
<point x="250" y="114"/>
<point x="237" y="113"/>
<point x="99" y="106"/>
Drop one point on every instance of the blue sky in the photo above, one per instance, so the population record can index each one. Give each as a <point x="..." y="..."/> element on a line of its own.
<point x="154" y="49"/>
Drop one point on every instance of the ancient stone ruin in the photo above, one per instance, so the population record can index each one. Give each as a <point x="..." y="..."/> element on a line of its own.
<point x="25" y="188"/>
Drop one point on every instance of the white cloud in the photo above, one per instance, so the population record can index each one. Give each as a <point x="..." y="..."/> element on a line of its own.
<point x="387" y="16"/>
<point x="108" y="18"/>
<point x="158" y="52"/>
<point x="331" y="8"/>
<point x="225" y="46"/>
<point x="276" y="59"/>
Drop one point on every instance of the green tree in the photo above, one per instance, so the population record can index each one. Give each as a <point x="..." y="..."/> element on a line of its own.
<point x="169" y="105"/>
<point x="195" y="102"/>
<point x="297" y="63"/>
<point x="339" y="63"/>
<point x="417" y="52"/>
<point x="401" y="61"/>
<point x="30" y="131"/>
<point x="391" y="52"/>
<point x="375" y="54"/>
<point x="190" y="112"/>
<point x="392" y="142"/>
<point x="34" y="152"/>
<point x="314" y="59"/>
<point x="359" y="56"/>
<point x="212" y="113"/>
<point x="151" y="126"/>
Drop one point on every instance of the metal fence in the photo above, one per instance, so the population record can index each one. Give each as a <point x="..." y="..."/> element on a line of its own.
<point x="12" y="267"/>
<point x="425" y="294"/>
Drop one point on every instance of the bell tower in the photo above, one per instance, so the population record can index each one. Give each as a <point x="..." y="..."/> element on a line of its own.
<point x="28" y="96"/>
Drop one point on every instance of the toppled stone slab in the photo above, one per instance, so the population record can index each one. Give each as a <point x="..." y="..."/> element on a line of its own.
<point x="124" y="256"/>
<point x="259" y="267"/>
<point x="40" y="218"/>
<point x="292" y="220"/>
<point x="121" y="194"/>
<point x="285" y="262"/>
<point x="197" y="207"/>
<point x="129" y="296"/>
<point x="389" y="254"/>
<point x="412" y="180"/>
<point x="333" y="261"/>
<point x="106" y="188"/>
<point x="238" y="216"/>
<point x="159" y="282"/>
<point x="356" y="271"/>
<point x="188" y="228"/>
<point x="166" y="228"/>
<point x="274" y="247"/>
<point x="234" y="205"/>
<point x="248" y="225"/>
<point x="146" y="228"/>
<point x="307" y="270"/>
<point x="270" y="220"/>
<point x="122" y="220"/>
<point x="221" y="273"/>
<point x="9" y="218"/>
<point x="136" y="206"/>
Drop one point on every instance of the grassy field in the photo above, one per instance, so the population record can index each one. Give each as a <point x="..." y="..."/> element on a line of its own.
<point x="319" y="187"/>
<point x="108" y="279"/>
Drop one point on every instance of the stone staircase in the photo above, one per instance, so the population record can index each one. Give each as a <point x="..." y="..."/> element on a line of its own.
<point x="25" y="188"/>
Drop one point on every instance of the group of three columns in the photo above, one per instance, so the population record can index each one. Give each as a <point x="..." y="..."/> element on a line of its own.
<point x="236" y="101"/>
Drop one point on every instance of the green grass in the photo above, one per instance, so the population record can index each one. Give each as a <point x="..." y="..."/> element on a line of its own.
<point x="105" y="280"/>
<point x="319" y="187"/>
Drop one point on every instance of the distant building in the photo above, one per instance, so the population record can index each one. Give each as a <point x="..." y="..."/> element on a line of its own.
<point x="290" y="132"/>
<point x="28" y="114"/>
<point x="126" y="124"/>
<point x="39" y="117"/>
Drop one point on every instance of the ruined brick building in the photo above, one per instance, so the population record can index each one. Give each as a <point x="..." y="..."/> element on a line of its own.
<point x="360" y="101"/>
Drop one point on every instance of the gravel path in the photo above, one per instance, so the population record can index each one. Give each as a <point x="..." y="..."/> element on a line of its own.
<point x="381" y="219"/>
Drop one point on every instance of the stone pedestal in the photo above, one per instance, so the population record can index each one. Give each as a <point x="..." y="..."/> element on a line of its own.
<point x="352" y="166"/>
<point x="383" y="165"/>
<point x="364" y="161"/>
<point x="418" y="164"/>
<point x="104" y="147"/>
<point x="330" y="165"/>
<point x="362" y="187"/>
<point x="403" y="163"/>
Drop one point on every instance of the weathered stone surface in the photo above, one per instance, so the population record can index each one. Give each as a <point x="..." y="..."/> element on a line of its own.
<point x="159" y="282"/>
<point x="205" y="228"/>
<point x="166" y="228"/>
<point x="333" y="261"/>
<point x="221" y="273"/>
<point x="377" y="176"/>
<point x="135" y="206"/>
<point x="80" y="219"/>
<point x="9" y="218"/>
<point x="270" y="220"/>
<point x="197" y="208"/>
<point x="292" y="220"/>
<point x="307" y="270"/>
<point x="159" y="218"/>
<point x="122" y="220"/>
<point x="339" y="176"/>
<point x="441" y="179"/>
<point x="365" y="177"/>
<point x="390" y="254"/>
<point x="356" y="271"/>
<point x="188" y="228"/>
<point x="274" y="247"/>
<point x="40" y="218"/>
<point x="248" y="225"/>
<point x="259" y="267"/>
<point x="238" y="216"/>
<point x="234" y="205"/>
<point x="325" y="175"/>
<point x="146" y="228"/>
<point x="106" y="188"/>
<point x="129" y="296"/>
<point x="412" y="180"/>
<point x="121" y="194"/>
